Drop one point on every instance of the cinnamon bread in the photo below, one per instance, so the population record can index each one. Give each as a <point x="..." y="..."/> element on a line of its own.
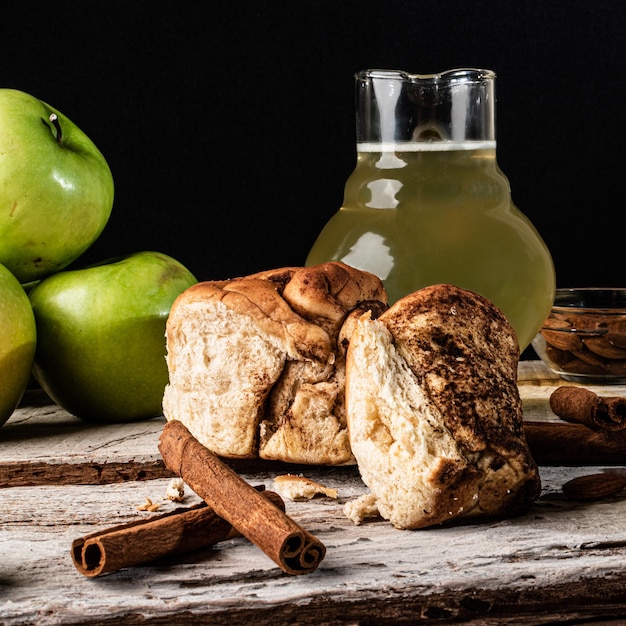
<point x="434" y="412"/>
<point x="257" y="364"/>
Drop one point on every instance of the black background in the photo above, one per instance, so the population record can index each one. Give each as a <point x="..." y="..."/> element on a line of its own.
<point x="229" y="126"/>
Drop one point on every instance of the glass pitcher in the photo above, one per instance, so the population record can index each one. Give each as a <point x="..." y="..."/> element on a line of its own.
<point x="427" y="202"/>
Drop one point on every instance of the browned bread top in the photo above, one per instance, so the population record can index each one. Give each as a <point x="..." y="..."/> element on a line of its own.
<point x="466" y="353"/>
<point x="324" y="294"/>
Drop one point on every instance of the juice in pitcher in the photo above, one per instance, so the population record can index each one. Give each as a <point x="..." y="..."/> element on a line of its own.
<point x="427" y="202"/>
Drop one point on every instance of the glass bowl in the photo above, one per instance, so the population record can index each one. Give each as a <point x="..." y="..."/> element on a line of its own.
<point x="584" y="337"/>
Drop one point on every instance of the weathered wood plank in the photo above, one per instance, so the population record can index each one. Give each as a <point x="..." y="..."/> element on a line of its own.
<point x="563" y="560"/>
<point x="43" y="443"/>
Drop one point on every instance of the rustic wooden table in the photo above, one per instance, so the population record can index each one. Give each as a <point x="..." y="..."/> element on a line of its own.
<point x="61" y="479"/>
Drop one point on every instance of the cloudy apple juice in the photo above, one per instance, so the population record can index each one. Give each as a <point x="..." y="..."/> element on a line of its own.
<point x="421" y="213"/>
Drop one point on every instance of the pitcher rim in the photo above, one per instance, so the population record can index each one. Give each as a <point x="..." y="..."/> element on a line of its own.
<point x="466" y="74"/>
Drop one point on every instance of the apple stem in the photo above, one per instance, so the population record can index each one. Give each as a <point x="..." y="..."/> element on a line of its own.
<point x="55" y="122"/>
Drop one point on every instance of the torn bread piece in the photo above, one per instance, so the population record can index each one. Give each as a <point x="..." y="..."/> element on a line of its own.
<point x="257" y="364"/>
<point x="299" y="488"/>
<point x="361" y="509"/>
<point x="434" y="412"/>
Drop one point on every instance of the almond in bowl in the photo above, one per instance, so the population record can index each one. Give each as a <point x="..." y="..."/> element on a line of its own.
<point x="584" y="337"/>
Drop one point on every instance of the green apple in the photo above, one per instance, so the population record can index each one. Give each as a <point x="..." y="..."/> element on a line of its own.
<point x="101" y="335"/>
<point x="17" y="342"/>
<point x="56" y="189"/>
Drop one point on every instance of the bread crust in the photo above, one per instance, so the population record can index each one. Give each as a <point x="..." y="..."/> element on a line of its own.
<point x="456" y="356"/>
<point x="326" y="293"/>
<point x="292" y="404"/>
<point x="261" y="301"/>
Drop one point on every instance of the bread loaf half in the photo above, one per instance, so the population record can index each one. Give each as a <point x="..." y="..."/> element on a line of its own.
<point x="434" y="412"/>
<point x="257" y="364"/>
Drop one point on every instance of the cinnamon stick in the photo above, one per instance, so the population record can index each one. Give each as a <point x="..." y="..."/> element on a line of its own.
<point x="292" y="548"/>
<point x="583" y="406"/>
<point x="568" y="444"/>
<point x="143" y="541"/>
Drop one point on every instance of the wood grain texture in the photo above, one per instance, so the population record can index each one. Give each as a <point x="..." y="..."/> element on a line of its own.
<point x="564" y="560"/>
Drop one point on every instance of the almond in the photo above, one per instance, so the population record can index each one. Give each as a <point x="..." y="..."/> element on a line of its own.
<point x="617" y="332"/>
<point x="594" y="486"/>
<point x="562" y="339"/>
<point x="616" y="367"/>
<point x="616" y="339"/>
<point x="603" y="347"/>
<point x="589" y="357"/>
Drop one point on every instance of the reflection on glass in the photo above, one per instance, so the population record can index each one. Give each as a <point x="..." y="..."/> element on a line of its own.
<point x="370" y="253"/>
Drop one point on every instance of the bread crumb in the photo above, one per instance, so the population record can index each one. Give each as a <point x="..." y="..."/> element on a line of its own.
<point x="148" y="505"/>
<point x="176" y="490"/>
<point x="298" y="488"/>
<point x="364" y="507"/>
